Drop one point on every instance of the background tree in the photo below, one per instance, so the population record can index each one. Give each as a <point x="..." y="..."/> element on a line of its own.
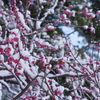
<point x="37" y="62"/>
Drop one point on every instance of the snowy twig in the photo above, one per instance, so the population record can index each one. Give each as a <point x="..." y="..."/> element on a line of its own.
<point x="24" y="90"/>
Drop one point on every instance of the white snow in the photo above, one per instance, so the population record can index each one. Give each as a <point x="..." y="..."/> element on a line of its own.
<point x="25" y="53"/>
<point x="4" y="83"/>
<point x="23" y="21"/>
<point x="0" y="91"/>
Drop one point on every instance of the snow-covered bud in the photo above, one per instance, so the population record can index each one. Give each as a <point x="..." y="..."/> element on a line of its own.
<point x="50" y="28"/>
<point x="72" y="13"/>
<point x="85" y="27"/>
<point x="98" y="12"/>
<point x="92" y="30"/>
<point x="63" y="17"/>
<point x="68" y="22"/>
<point x="90" y="15"/>
<point x="70" y="6"/>
<point x="85" y="11"/>
<point x="67" y="11"/>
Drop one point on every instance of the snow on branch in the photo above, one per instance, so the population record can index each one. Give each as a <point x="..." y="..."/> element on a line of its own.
<point x="37" y="61"/>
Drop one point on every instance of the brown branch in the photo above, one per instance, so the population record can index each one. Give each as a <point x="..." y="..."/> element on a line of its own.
<point x="24" y="90"/>
<point x="11" y="81"/>
<point x="6" y="77"/>
<point x="65" y="75"/>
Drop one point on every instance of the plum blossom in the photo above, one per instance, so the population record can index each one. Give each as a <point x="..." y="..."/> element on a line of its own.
<point x="98" y="12"/>
<point x="72" y="13"/>
<point x="92" y="30"/>
<point x="39" y="66"/>
<point x="63" y="17"/>
<point x="70" y="6"/>
<point x="85" y="11"/>
<point x="90" y="15"/>
<point x="67" y="11"/>
<point x="85" y="27"/>
<point x="50" y="28"/>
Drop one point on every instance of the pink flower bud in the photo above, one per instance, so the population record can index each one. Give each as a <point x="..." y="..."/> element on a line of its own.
<point x="85" y="11"/>
<point x="90" y="15"/>
<point x="85" y="27"/>
<point x="16" y="39"/>
<point x="70" y="6"/>
<point x="63" y="17"/>
<point x="50" y="28"/>
<point x="67" y="11"/>
<point x="98" y="12"/>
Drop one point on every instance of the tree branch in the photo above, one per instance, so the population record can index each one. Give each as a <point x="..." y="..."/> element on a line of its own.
<point x="24" y="90"/>
<point x="65" y="75"/>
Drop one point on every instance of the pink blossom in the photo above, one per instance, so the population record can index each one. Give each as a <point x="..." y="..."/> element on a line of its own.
<point x="29" y="90"/>
<point x="7" y="54"/>
<point x="42" y="46"/>
<point x="60" y="71"/>
<point x="57" y="92"/>
<point x="83" y="69"/>
<point x="42" y="63"/>
<point x="26" y="58"/>
<point x="70" y="69"/>
<point x="90" y="15"/>
<point x="15" y="61"/>
<point x="85" y="27"/>
<point x="92" y="30"/>
<point x="94" y="75"/>
<point x="50" y="28"/>
<point x="87" y="91"/>
<point x="98" y="63"/>
<point x="68" y="22"/>
<point x="66" y="44"/>
<point x="61" y="63"/>
<point x="38" y="44"/>
<point x="49" y="48"/>
<point x="74" y="65"/>
<point x="19" y="67"/>
<point x="72" y="13"/>
<point x="14" y="33"/>
<point x="35" y="82"/>
<point x="18" y="74"/>
<point x="31" y="1"/>
<point x="63" y="1"/>
<point x="34" y="97"/>
<point x="70" y="6"/>
<point x="67" y="11"/>
<point x="98" y="12"/>
<point x="63" y="17"/>
<point x="10" y="59"/>
<point x="7" y="40"/>
<point x="95" y="85"/>
<point x="69" y="53"/>
<point x="16" y="39"/>
<point x="14" y="1"/>
<point x="85" y="11"/>
<point x="49" y="80"/>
